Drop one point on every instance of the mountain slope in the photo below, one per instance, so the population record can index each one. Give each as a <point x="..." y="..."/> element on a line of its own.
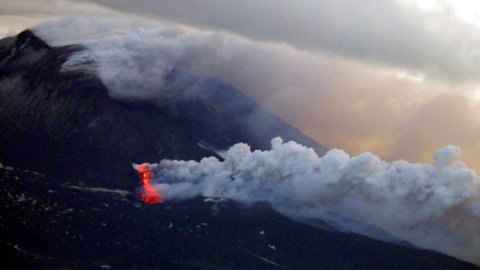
<point x="69" y="120"/>
<point x="66" y="154"/>
<point x="49" y="225"/>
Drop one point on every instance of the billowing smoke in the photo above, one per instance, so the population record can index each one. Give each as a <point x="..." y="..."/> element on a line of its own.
<point x="373" y="32"/>
<point x="433" y="206"/>
<point x="134" y="58"/>
<point x="337" y="101"/>
<point x="341" y="103"/>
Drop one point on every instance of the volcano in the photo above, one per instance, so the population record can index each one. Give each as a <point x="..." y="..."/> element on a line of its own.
<point x="70" y="192"/>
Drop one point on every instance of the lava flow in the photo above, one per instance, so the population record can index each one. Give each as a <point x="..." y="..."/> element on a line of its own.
<point x="148" y="194"/>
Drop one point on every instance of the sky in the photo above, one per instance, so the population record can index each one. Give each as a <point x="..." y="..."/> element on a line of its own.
<point x="397" y="78"/>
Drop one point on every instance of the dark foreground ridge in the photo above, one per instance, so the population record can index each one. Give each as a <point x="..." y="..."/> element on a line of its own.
<point x="69" y="189"/>
<point x="67" y="124"/>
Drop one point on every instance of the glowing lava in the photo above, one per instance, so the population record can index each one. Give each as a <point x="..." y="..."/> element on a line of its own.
<point x="148" y="194"/>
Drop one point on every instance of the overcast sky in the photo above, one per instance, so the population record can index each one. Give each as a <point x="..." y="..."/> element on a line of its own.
<point x="395" y="77"/>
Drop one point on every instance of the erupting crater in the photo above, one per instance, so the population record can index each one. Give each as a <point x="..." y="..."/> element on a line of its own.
<point x="148" y="194"/>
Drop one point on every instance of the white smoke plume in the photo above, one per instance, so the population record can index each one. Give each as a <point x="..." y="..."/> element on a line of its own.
<point x="439" y="44"/>
<point x="134" y="57"/>
<point x="433" y="206"/>
<point x="339" y="102"/>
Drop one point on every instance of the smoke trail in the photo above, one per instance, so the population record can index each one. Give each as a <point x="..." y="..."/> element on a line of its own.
<point x="371" y="110"/>
<point x="433" y="206"/>
<point x="135" y="58"/>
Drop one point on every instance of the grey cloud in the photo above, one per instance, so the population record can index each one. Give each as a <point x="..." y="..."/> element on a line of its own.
<point x="336" y="101"/>
<point x="132" y="58"/>
<point x="16" y="16"/>
<point x="53" y="7"/>
<point x="384" y="32"/>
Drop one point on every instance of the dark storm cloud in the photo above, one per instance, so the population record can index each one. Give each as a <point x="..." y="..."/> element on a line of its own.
<point x="386" y="32"/>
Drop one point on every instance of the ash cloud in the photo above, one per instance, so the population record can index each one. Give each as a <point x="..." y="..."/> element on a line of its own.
<point x="134" y="58"/>
<point x="433" y="206"/>
<point x="337" y="101"/>
<point x="389" y="32"/>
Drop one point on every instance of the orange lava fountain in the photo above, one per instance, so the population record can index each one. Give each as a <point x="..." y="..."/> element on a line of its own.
<point x="148" y="194"/>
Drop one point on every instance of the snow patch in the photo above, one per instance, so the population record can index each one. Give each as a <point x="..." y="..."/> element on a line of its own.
<point x="220" y="153"/>
<point x="265" y="259"/>
<point x="214" y="200"/>
<point x="120" y="192"/>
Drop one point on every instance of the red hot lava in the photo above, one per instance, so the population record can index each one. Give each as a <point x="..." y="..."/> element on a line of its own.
<point x="148" y="194"/>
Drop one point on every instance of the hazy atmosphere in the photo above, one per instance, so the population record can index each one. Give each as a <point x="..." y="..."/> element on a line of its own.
<point x="397" y="78"/>
<point x="390" y="87"/>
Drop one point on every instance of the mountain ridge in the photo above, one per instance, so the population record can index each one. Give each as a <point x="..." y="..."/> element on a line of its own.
<point x="131" y="128"/>
<point x="66" y="155"/>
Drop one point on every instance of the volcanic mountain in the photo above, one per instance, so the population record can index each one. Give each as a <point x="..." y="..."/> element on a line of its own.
<point x="66" y="154"/>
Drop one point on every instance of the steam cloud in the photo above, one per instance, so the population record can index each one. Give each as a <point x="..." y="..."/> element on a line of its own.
<point x="434" y="206"/>
<point x="327" y="97"/>
<point x="374" y="32"/>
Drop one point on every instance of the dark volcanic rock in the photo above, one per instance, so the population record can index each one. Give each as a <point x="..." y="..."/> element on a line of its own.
<point x="79" y="210"/>
<point x="46" y="225"/>
<point x="67" y="124"/>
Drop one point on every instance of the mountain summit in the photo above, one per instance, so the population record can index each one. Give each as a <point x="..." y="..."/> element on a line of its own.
<point x="67" y="149"/>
